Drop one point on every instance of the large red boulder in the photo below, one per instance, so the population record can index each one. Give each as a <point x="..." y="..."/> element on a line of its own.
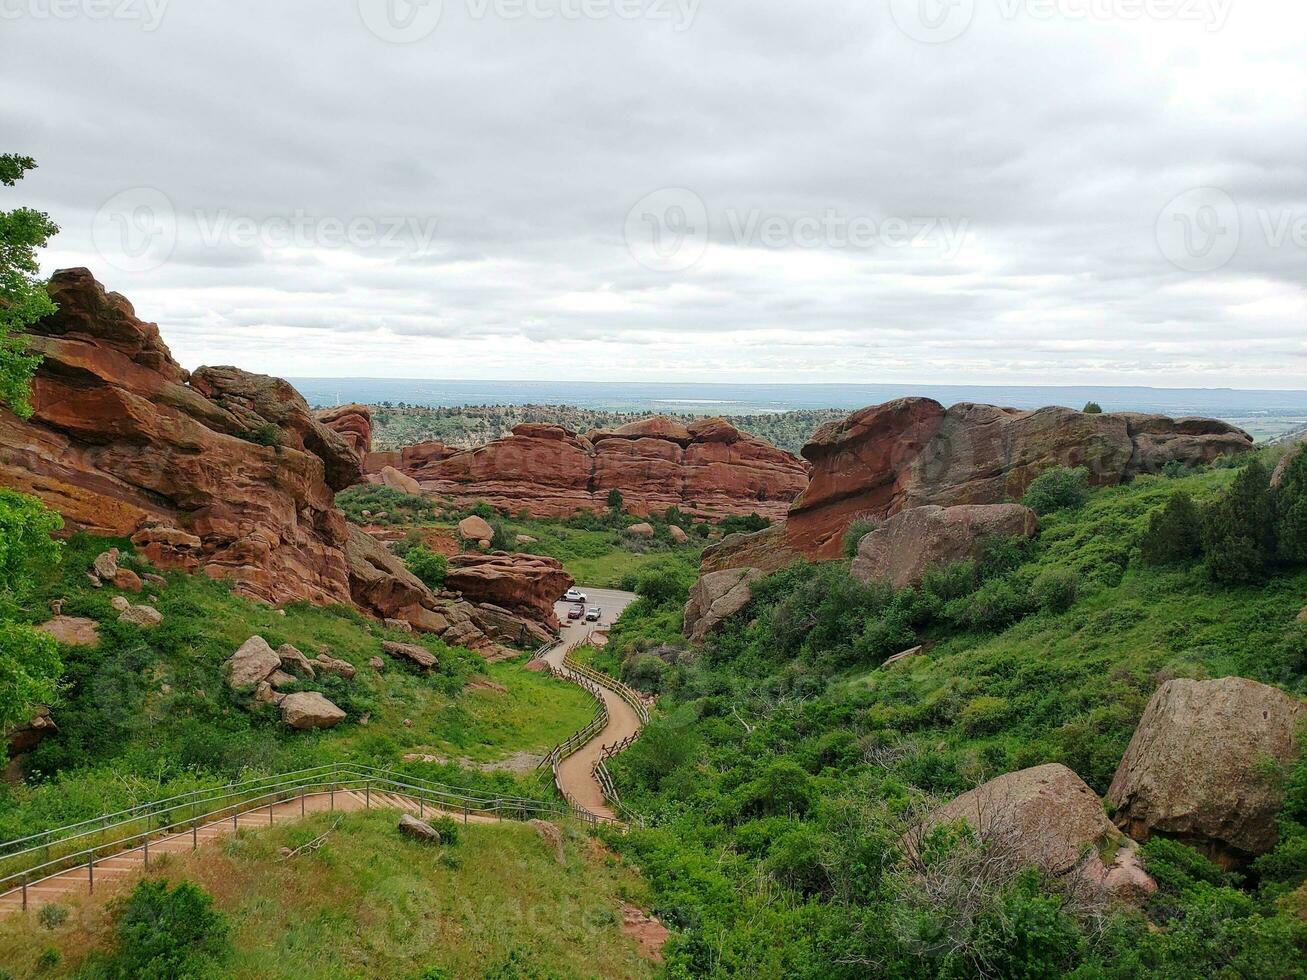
<point x="353" y="423"/>
<point x="527" y="585"/>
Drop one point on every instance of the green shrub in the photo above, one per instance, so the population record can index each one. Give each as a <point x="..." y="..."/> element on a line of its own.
<point x="615" y="502"/>
<point x="664" y="582"/>
<point x="856" y="531"/>
<point x="168" y="934"/>
<point x="1239" y="528"/>
<point x="449" y="830"/>
<point x="782" y="789"/>
<point x="797" y="860"/>
<point x="52" y="916"/>
<point x="1291" y="509"/>
<point x="428" y="566"/>
<point x="995" y="605"/>
<point x="951" y="581"/>
<point x="267" y="434"/>
<point x="49" y="958"/>
<point x="1056" y="589"/>
<point x="1092" y="408"/>
<point x="1058" y="489"/>
<point x="984" y="715"/>
<point x="737" y="524"/>
<point x="1174" y="532"/>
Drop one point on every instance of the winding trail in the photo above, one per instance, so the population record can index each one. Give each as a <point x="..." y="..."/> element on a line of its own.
<point x="575" y="773"/>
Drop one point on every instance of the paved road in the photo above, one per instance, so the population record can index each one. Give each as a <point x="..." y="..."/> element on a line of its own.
<point x="574" y="776"/>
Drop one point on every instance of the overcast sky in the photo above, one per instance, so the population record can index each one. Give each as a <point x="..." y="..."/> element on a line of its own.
<point x="1005" y="191"/>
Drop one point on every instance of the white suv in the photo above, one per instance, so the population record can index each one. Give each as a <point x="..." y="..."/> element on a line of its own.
<point x="574" y="595"/>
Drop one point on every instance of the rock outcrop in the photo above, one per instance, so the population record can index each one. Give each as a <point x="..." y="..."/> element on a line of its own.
<point x="912" y="452"/>
<point x="255" y="661"/>
<point x="708" y="469"/>
<point x="716" y="597"/>
<point x="123" y="439"/>
<point x="353" y="423"/>
<point x="420" y="657"/>
<point x="1197" y="766"/>
<point x="767" y="550"/>
<point x="527" y="585"/>
<point x="902" y="548"/>
<point x="1047" y="817"/>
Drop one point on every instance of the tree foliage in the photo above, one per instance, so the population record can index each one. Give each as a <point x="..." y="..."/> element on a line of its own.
<point x="23" y="298"/>
<point x="29" y="660"/>
<point x="1058" y="489"/>
<point x="1174" y="532"/>
<point x="1239" y="528"/>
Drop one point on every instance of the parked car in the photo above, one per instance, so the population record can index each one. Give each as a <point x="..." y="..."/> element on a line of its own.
<point x="574" y="595"/>
<point x="575" y="612"/>
<point x="593" y="615"/>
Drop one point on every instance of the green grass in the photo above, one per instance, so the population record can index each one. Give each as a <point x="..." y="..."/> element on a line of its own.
<point x="149" y="712"/>
<point x="371" y="903"/>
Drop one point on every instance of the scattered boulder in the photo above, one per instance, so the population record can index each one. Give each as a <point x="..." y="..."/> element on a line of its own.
<point x="264" y="693"/>
<point x="1195" y="768"/>
<point x="146" y="617"/>
<point x="905" y="546"/>
<point x="643" y="530"/>
<point x="279" y="679"/>
<point x="414" y="654"/>
<point x="120" y="603"/>
<point x="411" y="826"/>
<point x="73" y="631"/>
<point x="552" y="835"/>
<point x="158" y="581"/>
<point x="23" y="738"/>
<point x="716" y="597"/>
<point x="376" y="663"/>
<point x="403" y="625"/>
<point x="475" y="529"/>
<point x="252" y="663"/>
<point x="105" y="566"/>
<point x="328" y="664"/>
<point x="677" y="534"/>
<point x="309" y="709"/>
<point x="524" y="539"/>
<point x="1047" y="817"/>
<point x="295" y="661"/>
<point x="127" y="580"/>
<point x="396" y="480"/>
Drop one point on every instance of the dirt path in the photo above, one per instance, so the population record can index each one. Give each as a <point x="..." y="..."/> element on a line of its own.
<point x="574" y="772"/>
<point x="109" y="871"/>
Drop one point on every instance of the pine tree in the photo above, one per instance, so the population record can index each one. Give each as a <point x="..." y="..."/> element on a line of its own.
<point x="1291" y="509"/>
<point x="1174" y="532"/>
<point x="1239" y="528"/>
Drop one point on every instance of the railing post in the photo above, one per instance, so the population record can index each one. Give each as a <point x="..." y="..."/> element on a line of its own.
<point x="367" y="795"/>
<point x="331" y="797"/>
<point x="234" y="814"/>
<point x="195" y="835"/>
<point x="90" y="873"/>
<point x="301" y="802"/>
<point x="464" y="813"/>
<point x="24" y="893"/>
<point x="421" y="809"/>
<point x="147" y="850"/>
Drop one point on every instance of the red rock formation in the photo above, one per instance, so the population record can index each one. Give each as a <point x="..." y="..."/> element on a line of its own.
<point x="706" y="469"/>
<point x="527" y="585"/>
<point x="911" y="452"/>
<point x="353" y="423"/>
<point x="125" y="442"/>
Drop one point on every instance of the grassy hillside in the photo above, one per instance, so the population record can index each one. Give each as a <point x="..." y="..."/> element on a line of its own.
<point x="148" y="712"/>
<point x="370" y="903"/>
<point x="787" y="763"/>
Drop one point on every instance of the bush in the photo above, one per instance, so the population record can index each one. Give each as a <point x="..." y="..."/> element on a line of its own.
<point x="26" y="545"/>
<point x="449" y="830"/>
<point x="664" y="582"/>
<point x="1291" y="509"/>
<point x="1174" y="532"/>
<point x="52" y="916"/>
<point x="995" y="605"/>
<point x="1056" y="589"/>
<point x="984" y="715"/>
<point x="168" y="934"/>
<point x="1058" y="489"/>
<point x="264" y="435"/>
<point x="737" y="524"/>
<point x="1092" y="408"/>
<point x="1239" y="528"/>
<point x="859" y="529"/>
<point x="797" y="860"/>
<point x="428" y="566"/>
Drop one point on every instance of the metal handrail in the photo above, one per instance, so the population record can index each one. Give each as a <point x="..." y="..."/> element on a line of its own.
<point x="627" y="694"/>
<point x="320" y="779"/>
<point x="365" y="776"/>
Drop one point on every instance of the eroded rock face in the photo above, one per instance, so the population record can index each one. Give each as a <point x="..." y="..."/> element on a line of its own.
<point x="527" y="585"/>
<point x="122" y="439"/>
<point x="380" y="583"/>
<point x="767" y="550"/>
<point x="414" y="654"/>
<point x="353" y="423"/>
<point x="716" y="597"/>
<point x="1052" y="820"/>
<point x="708" y="469"/>
<point x="912" y="541"/>
<point x="912" y="452"/>
<point x="1196" y="768"/>
<point x="255" y="661"/>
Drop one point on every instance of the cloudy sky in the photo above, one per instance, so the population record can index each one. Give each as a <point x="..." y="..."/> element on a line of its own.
<point x="974" y="191"/>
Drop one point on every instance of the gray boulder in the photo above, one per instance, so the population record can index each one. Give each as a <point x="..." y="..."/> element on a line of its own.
<point x="253" y="662"/>
<point x="718" y="596"/>
<point x="309" y="709"/>
<point x="411" y="826"/>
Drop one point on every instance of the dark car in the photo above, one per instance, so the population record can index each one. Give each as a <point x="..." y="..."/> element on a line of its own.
<point x="574" y="612"/>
